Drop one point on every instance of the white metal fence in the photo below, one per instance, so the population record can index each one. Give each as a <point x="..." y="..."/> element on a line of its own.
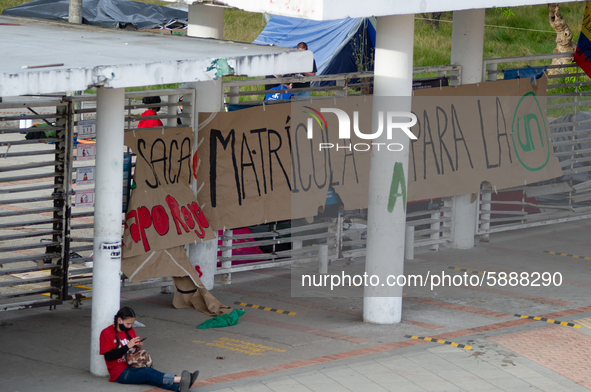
<point x="562" y="199"/>
<point x="252" y="91"/>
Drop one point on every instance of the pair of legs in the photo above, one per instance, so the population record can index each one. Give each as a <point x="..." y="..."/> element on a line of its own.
<point x="149" y="376"/>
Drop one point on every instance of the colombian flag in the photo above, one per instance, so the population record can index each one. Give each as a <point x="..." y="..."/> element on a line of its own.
<point x="583" y="52"/>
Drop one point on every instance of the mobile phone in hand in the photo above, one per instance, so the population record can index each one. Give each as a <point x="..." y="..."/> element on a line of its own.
<point x="143" y="339"/>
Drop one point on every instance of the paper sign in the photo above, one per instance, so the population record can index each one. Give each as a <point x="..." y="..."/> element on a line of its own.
<point x="85" y="175"/>
<point x="85" y="151"/>
<point x="84" y="198"/>
<point x="113" y="249"/>
<point x="86" y="129"/>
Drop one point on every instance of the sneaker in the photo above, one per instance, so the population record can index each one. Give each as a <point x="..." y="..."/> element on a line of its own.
<point x="194" y="376"/>
<point x="185" y="380"/>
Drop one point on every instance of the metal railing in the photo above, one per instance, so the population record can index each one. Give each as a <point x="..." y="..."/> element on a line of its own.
<point x="345" y="84"/>
<point x="563" y="199"/>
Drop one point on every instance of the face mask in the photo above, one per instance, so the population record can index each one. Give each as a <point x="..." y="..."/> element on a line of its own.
<point x="124" y="328"/>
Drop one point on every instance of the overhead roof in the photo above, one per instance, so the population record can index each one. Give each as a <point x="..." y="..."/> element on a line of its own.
<point x="339" y="9"/>
<point x="117" y="58"/>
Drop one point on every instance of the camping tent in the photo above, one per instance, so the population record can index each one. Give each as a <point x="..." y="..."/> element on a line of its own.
<point x="104" y="13"/>
<point x="338" y="45"/>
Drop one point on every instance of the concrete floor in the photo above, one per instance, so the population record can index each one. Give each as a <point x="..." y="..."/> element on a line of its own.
<point x="326" y="346"/>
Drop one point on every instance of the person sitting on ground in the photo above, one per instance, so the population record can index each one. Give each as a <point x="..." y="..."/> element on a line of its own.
<point x="150" y="112"/>
<point x="117" y="339"/>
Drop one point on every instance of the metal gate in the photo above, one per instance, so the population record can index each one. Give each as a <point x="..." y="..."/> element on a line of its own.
<point x="555" y="201"/>
<point x="46" y="239"/>
<point x="35" y="174"/>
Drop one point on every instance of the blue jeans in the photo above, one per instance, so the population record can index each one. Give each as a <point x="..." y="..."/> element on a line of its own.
<point x="148" y="376"/>
<point x="303" y="94"/>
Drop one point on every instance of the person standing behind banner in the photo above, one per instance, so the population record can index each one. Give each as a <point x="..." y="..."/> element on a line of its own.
<point x="304" y="94"/>
<point x="117" y="339"/>
<point x="150" y="112"/>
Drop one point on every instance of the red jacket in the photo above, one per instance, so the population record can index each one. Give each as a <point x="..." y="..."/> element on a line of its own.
<point x="149" y="123"/>
<point x="108" y="343"/>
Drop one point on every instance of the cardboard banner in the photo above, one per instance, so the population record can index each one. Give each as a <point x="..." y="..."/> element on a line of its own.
<point x="160" y="264"/>
<point x="174" y="262"/>
<point x="257" y="165"/>
<point x="163" y="158"/>
<point x="163" y="211"/>
<point x="495" y="131"/>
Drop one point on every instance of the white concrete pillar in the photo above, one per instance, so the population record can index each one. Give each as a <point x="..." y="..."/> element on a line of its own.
<point x="206" y="21"/>
<point x="323" y="259"/>
<point x="386" y="226"/>
<point x="409" y="246"/>
<point x="467" y="48"/>
<point x="75" y="11"/>
<point x="208" y="98"/>
<point x="227" y="277"/>
<point x="467" y="44"/>
<point x="106" y="292"/>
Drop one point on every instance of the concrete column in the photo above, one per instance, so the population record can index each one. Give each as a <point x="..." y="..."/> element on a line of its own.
<point x="386" y="226"/>
<point x="227" y="277"/>
<point x="208" y="98"/>
<point x="467" y="48"/>
<point x="206" y="21"/>
<point x="467" y="44"/>
<point x="171" y="122"/>
<point x="106" y="293"/>
<point x="75" y="11"/>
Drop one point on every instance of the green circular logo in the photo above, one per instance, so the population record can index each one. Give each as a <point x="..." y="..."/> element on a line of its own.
<point x="532" y="146"/>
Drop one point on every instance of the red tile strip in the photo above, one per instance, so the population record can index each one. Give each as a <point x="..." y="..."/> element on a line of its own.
<point x="424" y="325"/>
<point x="457" y="307"/>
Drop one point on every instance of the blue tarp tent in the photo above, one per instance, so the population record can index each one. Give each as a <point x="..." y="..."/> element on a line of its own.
<point x="333" y="42"/>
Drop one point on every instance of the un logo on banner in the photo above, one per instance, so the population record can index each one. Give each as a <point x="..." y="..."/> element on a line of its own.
<point x="529" y="134"/>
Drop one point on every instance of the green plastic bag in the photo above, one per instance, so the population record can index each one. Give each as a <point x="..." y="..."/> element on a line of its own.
<point x="224" y="320"/>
